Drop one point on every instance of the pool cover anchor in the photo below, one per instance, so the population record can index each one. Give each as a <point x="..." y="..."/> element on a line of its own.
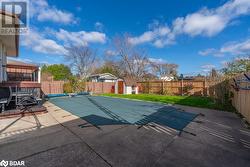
<point x="199" y="121"/>
<point x="85" y="125"/>
<point x="191" y="133"/>
<point x="145" y="125"/>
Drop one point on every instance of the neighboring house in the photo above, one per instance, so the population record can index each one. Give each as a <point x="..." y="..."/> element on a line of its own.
<point x="167" y="78"/>
<point x="105" y="77"/>
<point x="194" y="78"/>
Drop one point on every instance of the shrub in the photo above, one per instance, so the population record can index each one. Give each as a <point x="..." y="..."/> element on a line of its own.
<point x="67" y="87"/>
<point x="74" y="85"/>
<point x="187" y="88"/>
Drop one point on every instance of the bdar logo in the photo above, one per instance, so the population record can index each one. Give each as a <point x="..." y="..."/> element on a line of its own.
<point x="4" y="163"/>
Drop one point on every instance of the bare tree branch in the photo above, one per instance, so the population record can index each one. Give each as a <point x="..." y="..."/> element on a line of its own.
<point x="82" y="60"/>
<point x="163" y="69"/>
<point x="133" y="62"/>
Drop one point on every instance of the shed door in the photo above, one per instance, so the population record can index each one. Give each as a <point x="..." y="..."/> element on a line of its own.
<point x="120" y="87"/>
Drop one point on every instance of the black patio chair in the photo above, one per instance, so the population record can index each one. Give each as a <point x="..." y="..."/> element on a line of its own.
<point x="5" y="97"/>
<point x="26" y="99"/>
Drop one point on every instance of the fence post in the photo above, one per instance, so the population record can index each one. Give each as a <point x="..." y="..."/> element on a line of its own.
<point x="182" y="86"/>
<point x="148" y="88"/>
<point x="102" y="87"/>
<point x="205" y="88"/>
<point x="49" y="88"/>
<point x="162" y="87"/>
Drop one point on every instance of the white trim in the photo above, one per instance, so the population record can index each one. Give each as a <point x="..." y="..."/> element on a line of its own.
<point x="39" y="75"/>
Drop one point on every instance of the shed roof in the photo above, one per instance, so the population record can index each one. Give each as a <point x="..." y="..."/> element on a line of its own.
<point x="104" y="76"/>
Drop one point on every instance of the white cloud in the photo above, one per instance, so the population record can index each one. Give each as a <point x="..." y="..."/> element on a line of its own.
<point x="237" y="48"/>
<point x="201" y="23"/>
<point x="56" y="15"/>
<point x="81" y="37"/>
<point x="21" y="59"/>
<point x="211" y="51"/>
<point x="210" y="22"/>
<point x="41" y="10"/>
<point x="99" y="26"/>
<point x="49" y="46"/>
<point x="155" y="60"/>
<point x="207" y="67"/>
<point x="205" y="22"/>
<point x="207" y="51"/>
<point x="145" y="37"/>
<point x="43" y="42"/>
<point x="157" y="37"/>
<point x="232" y="48"/>
<point x="37" y="42"/>
<point x="111" y="53"/>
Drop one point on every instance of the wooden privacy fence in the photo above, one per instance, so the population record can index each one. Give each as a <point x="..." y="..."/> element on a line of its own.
<point x="237" y="90"/>
<point x="100" y="87"/>
<point x="186" y="87"/>
<point x="52" y="87"/>
<point x="56" y="87"/>
<point x="241" y="95"/>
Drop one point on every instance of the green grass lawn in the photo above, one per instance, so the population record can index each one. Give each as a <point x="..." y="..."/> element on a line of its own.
<point x="203" y="102"/>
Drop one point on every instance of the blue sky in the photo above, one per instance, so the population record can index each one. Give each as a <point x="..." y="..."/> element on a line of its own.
<point x="195" y="34"/>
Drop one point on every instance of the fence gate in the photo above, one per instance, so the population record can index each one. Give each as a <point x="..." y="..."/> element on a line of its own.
<point x="120" y="87"/>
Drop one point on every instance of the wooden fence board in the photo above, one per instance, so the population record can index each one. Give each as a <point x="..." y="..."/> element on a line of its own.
<point x="215" y="89"/>
<point x="241" y="98"/>
<point x="173" y="87"/>
<point x="100" y="87"/>
<point x="56" y="87"/>
<point x="52" y="87"/>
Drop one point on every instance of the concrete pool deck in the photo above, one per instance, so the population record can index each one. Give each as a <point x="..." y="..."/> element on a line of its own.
<point x="59" y="138"/>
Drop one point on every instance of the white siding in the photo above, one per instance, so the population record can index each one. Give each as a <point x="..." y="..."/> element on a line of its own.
<point x="128" y="89"/>
<point x="106" y="80"/>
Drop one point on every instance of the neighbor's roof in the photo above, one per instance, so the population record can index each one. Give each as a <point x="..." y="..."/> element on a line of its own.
<point x="104" y="76"/>
<point x="11" y="62"/>
<point x="167" y="78"/>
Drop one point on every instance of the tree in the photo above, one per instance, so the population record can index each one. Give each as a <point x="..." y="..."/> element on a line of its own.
<point x="108" y="67"/>
<point x="213" y="73"/>
<point x="238" y="65"/>
<point x="132" y="62"/>
<point x="82" y="59"/>
<point x="58" y="71"/>
<point x="164" y="69"/>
